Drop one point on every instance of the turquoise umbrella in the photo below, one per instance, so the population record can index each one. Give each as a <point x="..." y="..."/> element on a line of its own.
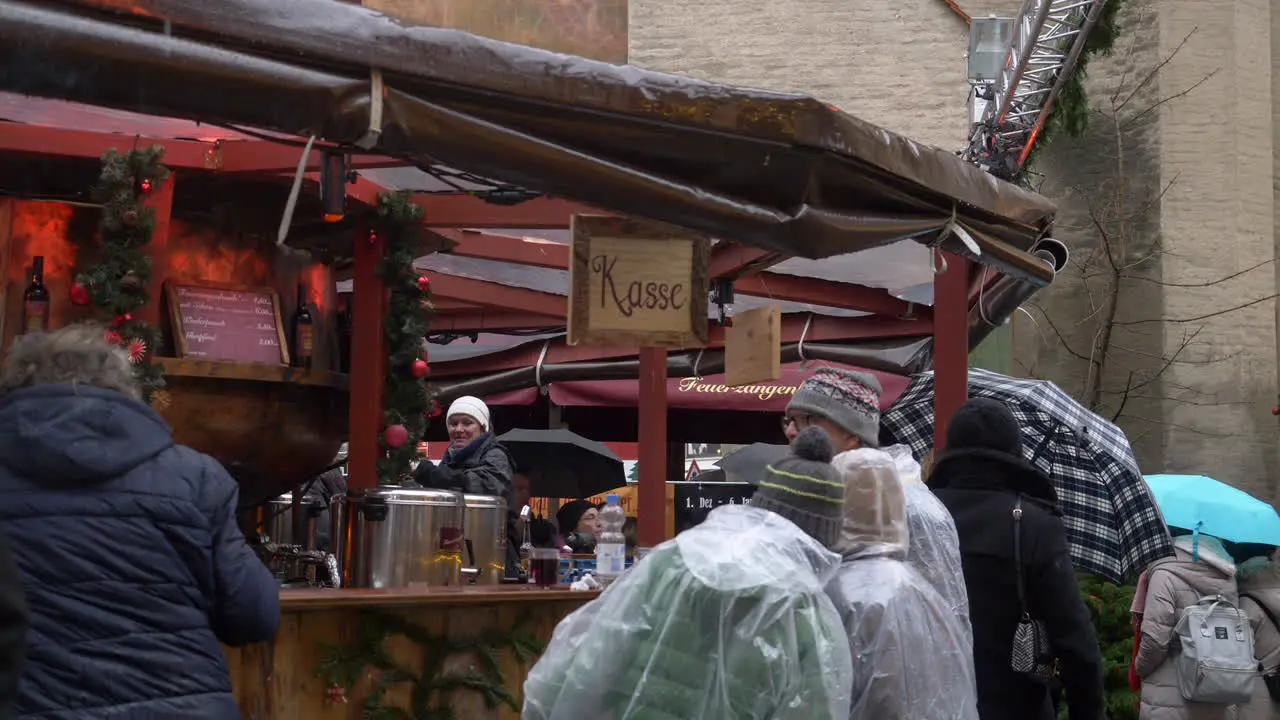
<point x="1196" y="502"/>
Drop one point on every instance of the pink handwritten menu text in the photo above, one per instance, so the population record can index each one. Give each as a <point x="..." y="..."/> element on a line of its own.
<point x="240" y="325"/>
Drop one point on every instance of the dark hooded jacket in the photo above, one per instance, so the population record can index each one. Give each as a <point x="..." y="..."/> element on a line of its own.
<point x="482" y="468"/>
<point x="978" y="479"/>
<point x="13" y="628"/>
<point x="132" y="562"/>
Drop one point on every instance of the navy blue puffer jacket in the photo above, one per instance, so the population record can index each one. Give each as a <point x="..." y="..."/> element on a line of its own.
<point x="132" y="563"/>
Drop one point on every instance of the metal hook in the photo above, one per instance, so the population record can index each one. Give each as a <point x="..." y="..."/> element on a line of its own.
<point x="952" y="227"/>
<point x="936" y="256"/>
<point x="289" y="205"/>
<point x="537" y="368"/>
<point x="370" y="138"/>
<point x="808" y="322"/>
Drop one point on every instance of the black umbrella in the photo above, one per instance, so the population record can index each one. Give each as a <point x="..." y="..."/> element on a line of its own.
<point x="563" y="464"/>
<point x="749" y="463"/>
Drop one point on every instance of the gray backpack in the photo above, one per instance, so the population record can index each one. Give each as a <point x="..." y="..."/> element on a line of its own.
<point x="1215" y="663"/>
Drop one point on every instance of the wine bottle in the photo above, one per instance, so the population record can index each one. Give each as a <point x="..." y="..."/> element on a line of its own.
<point x="35" y="300"/>
<point x="304" y="332"/>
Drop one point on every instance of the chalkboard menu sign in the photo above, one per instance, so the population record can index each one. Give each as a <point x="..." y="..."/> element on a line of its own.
<point x="693" y="500"/>
<point x="227" y="322"/>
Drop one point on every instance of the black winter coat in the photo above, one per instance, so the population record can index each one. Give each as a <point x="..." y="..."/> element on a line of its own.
<point x="134" y="568"/>
<point x="13" y="628"/>
<point x="979" y="487"/>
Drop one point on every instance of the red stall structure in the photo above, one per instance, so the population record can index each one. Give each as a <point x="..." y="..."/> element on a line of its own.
<point x="881" y="253"/>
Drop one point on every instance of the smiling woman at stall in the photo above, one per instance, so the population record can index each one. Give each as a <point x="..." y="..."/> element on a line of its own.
<point x="475" y="461"/>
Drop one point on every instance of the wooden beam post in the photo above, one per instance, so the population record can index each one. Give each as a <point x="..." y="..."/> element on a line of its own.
<point x="368" y="358"/>
<point x="950" y="343"/>
<point x="652" y="453"/>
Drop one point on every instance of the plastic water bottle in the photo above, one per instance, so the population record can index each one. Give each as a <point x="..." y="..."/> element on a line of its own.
<point x="611" y="546"/>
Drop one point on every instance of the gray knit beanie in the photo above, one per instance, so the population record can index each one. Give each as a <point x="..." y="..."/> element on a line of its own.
<point x="804" y="488"/>
<point x="849" y="399"/>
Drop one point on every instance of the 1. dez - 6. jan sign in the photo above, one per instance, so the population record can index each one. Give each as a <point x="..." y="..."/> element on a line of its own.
<point x="637" y="283"/>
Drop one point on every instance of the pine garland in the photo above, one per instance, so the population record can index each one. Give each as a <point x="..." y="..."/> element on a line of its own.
<point x="1072" y="110"/>
<point x="1110" y="607"/>
<point x="115" y="282"/>
<point x="406" y="395"/>
<point x="344" y="666"/>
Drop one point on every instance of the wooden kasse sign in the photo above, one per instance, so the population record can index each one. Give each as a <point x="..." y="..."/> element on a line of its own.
<point x="694" y="500"/>
<point x="637" y="283"/>
<point x="227" y="322"/>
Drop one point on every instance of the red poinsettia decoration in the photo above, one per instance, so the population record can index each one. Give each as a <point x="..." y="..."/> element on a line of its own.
<point x="137" y="348"/>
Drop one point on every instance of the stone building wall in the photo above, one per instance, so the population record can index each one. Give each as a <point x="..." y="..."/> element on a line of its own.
<point x="1199" y="175"/>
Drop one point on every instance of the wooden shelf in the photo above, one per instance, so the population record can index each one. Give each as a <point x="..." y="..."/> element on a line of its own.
<point x="465" y="595"/>
<point x="255" y="372"/>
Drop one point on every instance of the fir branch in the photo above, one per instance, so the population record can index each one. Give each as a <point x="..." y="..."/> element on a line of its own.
<point x="406" y="399"/>
<point x="345" y="665"/>
<point x="116" y="283"/>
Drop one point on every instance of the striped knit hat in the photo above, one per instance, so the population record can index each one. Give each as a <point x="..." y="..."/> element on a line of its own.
<point x="849" y="399"/>
<point x="805" y="489"/>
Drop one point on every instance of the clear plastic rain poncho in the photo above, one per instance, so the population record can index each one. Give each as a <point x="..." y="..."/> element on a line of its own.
<point x="911" y="657"/>
<point x="935" y="544"/>
<point x="730" y="620"/>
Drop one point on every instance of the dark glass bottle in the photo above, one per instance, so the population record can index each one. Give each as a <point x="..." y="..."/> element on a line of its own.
<point x="35" y="300"/>
<point x="304" y="332"/>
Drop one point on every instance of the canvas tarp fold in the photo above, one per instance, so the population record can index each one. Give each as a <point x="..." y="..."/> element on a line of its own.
<point x="776" y="171"/>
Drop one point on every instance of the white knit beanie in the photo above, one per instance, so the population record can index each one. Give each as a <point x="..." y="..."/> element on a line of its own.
<point x="473" y="407"/>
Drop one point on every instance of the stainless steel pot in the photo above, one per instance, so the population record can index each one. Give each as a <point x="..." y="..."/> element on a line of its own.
<point x="276" y="520"/>
<point x="394" y="537"/>
<point x="485" y="524"/>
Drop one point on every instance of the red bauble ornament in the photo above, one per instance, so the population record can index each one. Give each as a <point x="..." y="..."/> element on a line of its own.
<point x="1275" y="411"/>
<point x="145" y="186"/>
<point x="119" y="320"/>
<point x="80" y="295"/>
<point x="129" y="217"/>
<point x="372" y="238"/>
<point x="335" y="694"/>
<point x="424" y="283"/>
<point x="396" y="435"/>
<point x="436" y="410"/>
<point x="112" y="337"/>
<point x="419" y="369"/>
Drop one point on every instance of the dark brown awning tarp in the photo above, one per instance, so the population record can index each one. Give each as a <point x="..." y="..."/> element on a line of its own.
<point x="898" y="356"/>
<point x="777" y="171"/>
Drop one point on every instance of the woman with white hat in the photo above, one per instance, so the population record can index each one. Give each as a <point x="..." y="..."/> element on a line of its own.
<point x="475" y="461"/>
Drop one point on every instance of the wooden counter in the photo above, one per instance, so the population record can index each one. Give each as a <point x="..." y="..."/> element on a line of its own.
<point x="484" y="637"/>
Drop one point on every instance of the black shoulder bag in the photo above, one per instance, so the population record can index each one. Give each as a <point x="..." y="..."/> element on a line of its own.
<point x="1272" y="679"/>
<point x="1031" y="656"/>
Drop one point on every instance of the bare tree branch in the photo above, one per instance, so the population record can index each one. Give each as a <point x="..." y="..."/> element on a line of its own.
<point x="1124" y="398"/>
<point x="1207" y="283"/>
<point x="1061" y="339"/>
<point x="1196" y="403"/>
<point x="1198" y="318"/>
<point x="1151" y="76"/>
<point x="1188" y="428"/>
<point x="1182" y="93"/>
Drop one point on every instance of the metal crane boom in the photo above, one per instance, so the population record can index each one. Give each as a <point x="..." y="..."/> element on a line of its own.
<point x="1010" y="111"/>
